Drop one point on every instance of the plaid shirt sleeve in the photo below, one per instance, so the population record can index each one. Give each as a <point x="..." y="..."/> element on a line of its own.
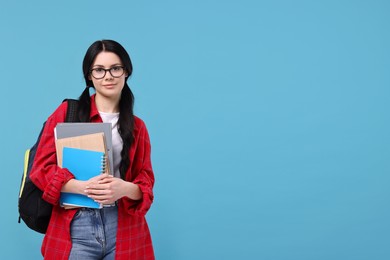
<point x="141" y="172"/>
<point x="45" y="173"/>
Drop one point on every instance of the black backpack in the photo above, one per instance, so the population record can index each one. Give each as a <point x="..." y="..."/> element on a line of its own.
<point x="33" y="210"/>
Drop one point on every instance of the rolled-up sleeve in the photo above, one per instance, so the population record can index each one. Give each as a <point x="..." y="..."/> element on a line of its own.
<point x="141" y="172"/>
<point x="45" y="173"/>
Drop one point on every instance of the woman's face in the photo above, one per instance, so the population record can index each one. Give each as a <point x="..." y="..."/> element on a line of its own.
<point x="108" y="86"/>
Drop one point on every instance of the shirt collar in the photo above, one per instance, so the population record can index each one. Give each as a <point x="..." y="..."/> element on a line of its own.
<point x="94" y="111"/>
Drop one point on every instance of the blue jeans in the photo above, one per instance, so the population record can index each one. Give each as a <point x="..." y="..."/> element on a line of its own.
<point x="93" y="234"/>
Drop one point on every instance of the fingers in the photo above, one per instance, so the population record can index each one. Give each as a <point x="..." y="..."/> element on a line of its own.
<point x="99" y="194"/>
<point x="102" y="196"/>
<point x="107" y="179"/>
<point x="102" y="189"/>
<point x="100" y="177"/>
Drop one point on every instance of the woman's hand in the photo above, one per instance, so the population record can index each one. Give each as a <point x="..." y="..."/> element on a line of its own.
<point x="106" y="189"/>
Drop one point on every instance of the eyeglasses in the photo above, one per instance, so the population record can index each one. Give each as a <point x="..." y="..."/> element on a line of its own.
<point x="116" y="72"/>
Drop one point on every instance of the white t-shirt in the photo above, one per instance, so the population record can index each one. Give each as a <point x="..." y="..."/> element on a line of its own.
<point x="117" y="142"/>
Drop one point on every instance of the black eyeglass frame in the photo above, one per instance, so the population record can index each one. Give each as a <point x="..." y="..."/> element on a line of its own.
<point x="105" y="72"/>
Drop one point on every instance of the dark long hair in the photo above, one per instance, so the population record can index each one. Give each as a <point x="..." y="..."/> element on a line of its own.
<point x="126" y="103"/>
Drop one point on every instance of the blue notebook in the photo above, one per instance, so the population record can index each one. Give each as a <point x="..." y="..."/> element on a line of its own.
<point x="84" y="164"/>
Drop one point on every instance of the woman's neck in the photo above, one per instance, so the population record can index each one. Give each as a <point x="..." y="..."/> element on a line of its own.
<point x="106" y="105"/>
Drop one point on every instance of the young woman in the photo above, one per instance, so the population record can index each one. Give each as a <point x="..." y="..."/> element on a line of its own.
<point x="118" y="230"/>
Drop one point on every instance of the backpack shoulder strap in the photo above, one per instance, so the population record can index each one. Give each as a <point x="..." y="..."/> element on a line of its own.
<point x="72" y="111"/>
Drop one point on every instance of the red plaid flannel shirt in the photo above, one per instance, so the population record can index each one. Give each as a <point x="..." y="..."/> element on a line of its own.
<point x="133" y="236"/>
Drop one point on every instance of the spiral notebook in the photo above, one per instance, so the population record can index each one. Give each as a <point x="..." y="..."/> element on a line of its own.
<point x="84" y="164"/>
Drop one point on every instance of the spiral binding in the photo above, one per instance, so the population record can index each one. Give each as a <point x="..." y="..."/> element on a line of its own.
<point x="104" y="164"/>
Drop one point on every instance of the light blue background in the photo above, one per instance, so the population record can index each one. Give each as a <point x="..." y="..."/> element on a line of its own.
<point x="269" y="120"/>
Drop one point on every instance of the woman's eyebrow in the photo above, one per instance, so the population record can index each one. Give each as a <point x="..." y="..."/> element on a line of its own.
<point x="101" y="66"/>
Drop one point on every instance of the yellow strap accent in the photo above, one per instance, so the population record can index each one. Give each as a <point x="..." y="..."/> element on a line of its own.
<point x="26" y="155"/>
